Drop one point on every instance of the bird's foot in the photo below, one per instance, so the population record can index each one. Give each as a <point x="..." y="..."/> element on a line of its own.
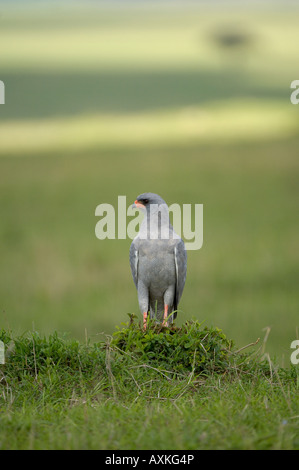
<point x="144" y="320"/>
<point x="165" y="322"/>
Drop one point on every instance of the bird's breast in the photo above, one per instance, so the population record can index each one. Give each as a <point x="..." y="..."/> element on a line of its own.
<point x="156" y="264"/>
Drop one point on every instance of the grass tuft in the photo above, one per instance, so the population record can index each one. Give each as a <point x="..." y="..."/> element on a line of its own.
<point x="181" y="349"/>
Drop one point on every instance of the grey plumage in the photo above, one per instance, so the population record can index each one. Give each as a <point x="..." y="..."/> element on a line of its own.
<point x="158" y="261"/>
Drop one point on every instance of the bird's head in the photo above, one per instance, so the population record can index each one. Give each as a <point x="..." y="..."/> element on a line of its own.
<point x="145" y="200"/>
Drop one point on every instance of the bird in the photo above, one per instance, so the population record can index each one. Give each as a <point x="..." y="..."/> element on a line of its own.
<point x="158" y="261"/>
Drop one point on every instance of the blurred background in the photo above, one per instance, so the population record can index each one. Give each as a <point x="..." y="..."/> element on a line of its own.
<point x="188" y="100"/>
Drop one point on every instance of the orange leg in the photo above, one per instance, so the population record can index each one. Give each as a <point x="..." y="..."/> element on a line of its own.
<point x="144" y="320"/>
<point x="165" y="323"/>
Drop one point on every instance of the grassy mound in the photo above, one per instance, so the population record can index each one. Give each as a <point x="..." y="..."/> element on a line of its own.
<point x="184" y="348"/>
<point x="56" y="370"/>
<point x="179" y="350"/>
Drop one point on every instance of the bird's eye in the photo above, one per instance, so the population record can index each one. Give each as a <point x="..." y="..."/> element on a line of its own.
<point x="145" y="201"/>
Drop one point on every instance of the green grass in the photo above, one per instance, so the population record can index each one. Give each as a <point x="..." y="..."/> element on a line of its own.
<point x="181" y="388"/>
<point x="103" y="102"/>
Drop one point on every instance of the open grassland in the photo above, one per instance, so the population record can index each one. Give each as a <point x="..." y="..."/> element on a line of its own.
<point x="107" y="102"/>
<point x="94" y="109"/>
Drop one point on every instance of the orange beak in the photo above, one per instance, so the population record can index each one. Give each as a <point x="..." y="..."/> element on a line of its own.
<point x="138" y="204"/>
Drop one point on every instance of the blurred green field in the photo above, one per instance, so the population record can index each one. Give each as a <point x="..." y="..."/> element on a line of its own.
<point x="102" y="102"/>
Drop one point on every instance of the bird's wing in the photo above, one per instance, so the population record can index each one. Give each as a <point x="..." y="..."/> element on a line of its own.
<point x="180" y="258"/>
<point x="134" y="262"/>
